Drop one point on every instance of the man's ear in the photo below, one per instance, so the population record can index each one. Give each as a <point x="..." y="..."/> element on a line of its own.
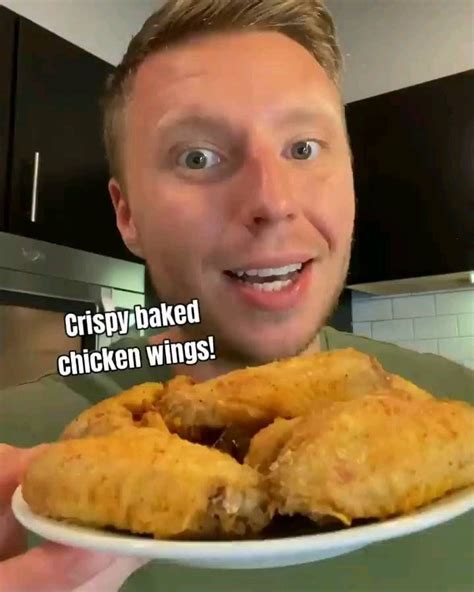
<point x="123" y="216"/>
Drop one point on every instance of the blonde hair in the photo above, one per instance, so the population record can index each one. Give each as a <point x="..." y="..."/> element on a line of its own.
<point x="306" y="21"/>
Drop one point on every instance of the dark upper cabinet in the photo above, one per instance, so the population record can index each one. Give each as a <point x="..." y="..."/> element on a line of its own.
<point x="414" y="180"/>
<point x="7" y="52"/>
<point x="57" y="185"/>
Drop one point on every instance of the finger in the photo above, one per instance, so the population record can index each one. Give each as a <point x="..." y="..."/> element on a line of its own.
<point x="12" y="537"/>
<point x="52" y="567"/>
<point x="13" y="464"/>
<point x="112" y="578"/>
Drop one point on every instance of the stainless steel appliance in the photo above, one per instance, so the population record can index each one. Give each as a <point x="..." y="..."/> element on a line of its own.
<point x="41" y="282"/>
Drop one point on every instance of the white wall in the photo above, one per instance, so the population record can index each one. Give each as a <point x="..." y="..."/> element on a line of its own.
<point x="102" y="27"/>
<point x="390" y="44"/>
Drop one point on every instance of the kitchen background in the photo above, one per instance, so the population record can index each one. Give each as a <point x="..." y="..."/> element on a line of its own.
<point x="387" y="45"/>
<point x="439" y="322"/>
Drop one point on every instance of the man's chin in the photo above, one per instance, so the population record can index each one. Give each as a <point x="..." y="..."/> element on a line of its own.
<point x="256" y="348"/>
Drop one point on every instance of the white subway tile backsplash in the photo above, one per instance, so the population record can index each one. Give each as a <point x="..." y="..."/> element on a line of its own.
<point x="433" y="327"/>
<point x="363" y="329"/>
<point x="433" y="322"/>
<point x="393" y="331"/>
<point x="455" y="302"/>
<point x="457" y="348"/>
<point x="466" y="324"/>
<point x="406" y="307"/>
<point x="372" y="310"/>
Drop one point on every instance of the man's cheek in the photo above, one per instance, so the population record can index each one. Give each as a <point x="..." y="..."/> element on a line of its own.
<point x="343" y="208"/>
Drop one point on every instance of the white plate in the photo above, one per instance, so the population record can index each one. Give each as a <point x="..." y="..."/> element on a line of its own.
<point x="246" y="554"/>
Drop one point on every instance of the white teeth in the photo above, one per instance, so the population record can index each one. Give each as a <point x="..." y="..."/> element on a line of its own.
<point x="270" y="271"/>
<point x="269" y="286"/>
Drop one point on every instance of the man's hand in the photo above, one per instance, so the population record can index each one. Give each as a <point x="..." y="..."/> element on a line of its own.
<point x="49" y="567"/>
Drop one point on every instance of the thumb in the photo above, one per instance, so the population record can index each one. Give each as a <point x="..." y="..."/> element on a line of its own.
<point x="112" y="578"/>
<point x="52" y="567"/>
<point x="14" y="462"/>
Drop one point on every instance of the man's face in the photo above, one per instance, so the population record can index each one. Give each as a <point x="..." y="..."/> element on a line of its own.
<point x="239" y="188"/>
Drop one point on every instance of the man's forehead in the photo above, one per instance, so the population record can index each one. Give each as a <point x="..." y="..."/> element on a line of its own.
<point x="203" y="77"/>
<point x="231" y="56"/>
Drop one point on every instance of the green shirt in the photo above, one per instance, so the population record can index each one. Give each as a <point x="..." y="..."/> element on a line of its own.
<point x="439" y="559"/>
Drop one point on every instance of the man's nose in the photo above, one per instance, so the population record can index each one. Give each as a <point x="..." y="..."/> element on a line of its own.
<point x="267" y="196"/>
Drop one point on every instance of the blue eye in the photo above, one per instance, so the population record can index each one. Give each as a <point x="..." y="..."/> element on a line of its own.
<point x="198" y="158"/>
<point x="305" y="150"/>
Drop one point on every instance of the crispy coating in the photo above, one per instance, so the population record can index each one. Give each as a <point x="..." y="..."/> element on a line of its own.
<point x="407" y="389"/>
<point x="256" y="396"/>
<point x="191" y="409"/>
<point x="371" y="457"/>
<point x="266" y="445"/>
<point x="147" y="481"/>
<point x="133" y="407"/>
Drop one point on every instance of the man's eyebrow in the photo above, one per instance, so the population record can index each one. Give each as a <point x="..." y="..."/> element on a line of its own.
<point x="208" y="122"/>
<point x="198" y="121"/>
<point x="304" y="116"/>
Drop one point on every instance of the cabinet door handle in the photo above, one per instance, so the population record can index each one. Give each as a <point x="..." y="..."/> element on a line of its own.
<point x="34" y="192"/>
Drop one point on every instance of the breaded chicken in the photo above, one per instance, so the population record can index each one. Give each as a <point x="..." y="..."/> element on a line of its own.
<point x="372" y="457"/>
<point x="133" y="407"/>
<point x="266" y="445"/>
<point x="124" y="410"/>
<point x="147" y="481"/>
<point x="410" y="390"/>
<point x="254" y="397"/>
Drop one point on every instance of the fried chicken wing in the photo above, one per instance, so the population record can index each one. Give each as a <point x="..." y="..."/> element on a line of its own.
<point x="136" y="406"/>
<point x="133" y="407"/>
<point x="266" y="445"/>
<point x="372" y="457"/>
<point x="407" y="389"/>
<point x="147" y="481"/>
<point x="254" y="397"/>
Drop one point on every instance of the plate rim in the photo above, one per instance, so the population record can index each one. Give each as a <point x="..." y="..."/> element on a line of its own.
<point x="440" y="511"/>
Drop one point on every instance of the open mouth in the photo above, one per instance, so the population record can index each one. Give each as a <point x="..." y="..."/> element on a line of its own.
<point x="271" y="279"/>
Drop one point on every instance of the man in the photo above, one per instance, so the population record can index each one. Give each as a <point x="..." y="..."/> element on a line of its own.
<point x="231" y="176"/>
